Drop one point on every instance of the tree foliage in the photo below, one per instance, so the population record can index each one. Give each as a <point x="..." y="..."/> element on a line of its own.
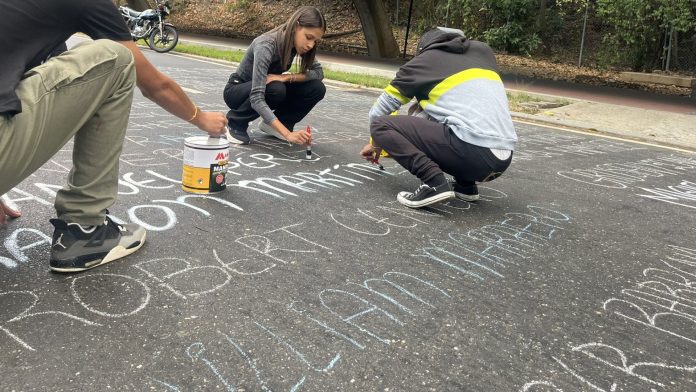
<point x="508" y="25"/>
<point x="620" y="32"/>
<point x="639" y="28"/>
<point x="512" y="25"/>
<point x="617" y="33"/>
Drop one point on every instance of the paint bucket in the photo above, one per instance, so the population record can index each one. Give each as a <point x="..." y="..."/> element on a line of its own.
<point x="205" y="164"/>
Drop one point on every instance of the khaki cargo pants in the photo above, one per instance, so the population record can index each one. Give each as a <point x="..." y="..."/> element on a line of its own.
<point x="85" y="93"/>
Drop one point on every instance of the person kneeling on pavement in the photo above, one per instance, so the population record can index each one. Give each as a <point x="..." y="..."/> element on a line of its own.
<point x="460" y="125"/>
<point x="50" y="95"/>
<point x="262" y="87"/>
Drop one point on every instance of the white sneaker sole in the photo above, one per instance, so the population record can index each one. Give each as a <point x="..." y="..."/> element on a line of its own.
<point x="232" y="139"/>
<point x="465" y="197"/>
<point x="270" y="131"/>
<point x="114" y="254"/>
<point x="423" y="203"/>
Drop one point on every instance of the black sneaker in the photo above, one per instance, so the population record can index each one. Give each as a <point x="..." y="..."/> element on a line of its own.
<point x="426" y="195"/>
<point x="236" y="136"/>
<point x="465" y="192"/>
<point x="76" y="249"/>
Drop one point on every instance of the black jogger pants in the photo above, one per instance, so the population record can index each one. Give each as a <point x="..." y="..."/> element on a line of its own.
<point x="291" y="102"/>
<point x="427" y="148"/>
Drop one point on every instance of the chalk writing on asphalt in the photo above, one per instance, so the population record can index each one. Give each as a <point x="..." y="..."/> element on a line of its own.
<point x="324" y="331"/>
<point x="662" y="305"/>
<point x="362" y="315"/>
<point x="621" y="175"/>
<point x="537" y="146"/>
<point x="683" y="195"/>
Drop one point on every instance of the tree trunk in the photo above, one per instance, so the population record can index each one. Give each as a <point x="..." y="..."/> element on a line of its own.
<point x="138" y="5"/>
<point x="541" y="16"/>
<point x="675" y="51"/>
<point x="377" y="29"/>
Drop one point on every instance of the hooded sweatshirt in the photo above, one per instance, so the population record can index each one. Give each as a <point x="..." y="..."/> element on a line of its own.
<point x="456" y="83"/>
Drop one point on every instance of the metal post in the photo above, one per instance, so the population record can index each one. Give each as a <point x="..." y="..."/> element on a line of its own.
<point x="397" y="13"/>
<point x="447" y="13"/>
<point x="408" y="27"/>
<point x="584" y="28"/>
<point x="669" y="48"/>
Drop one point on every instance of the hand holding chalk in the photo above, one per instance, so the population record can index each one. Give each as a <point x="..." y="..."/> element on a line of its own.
<point x="367" y="152"/>
<point x="375" y="158"/>
<point x="371" y="153"/>
<point x="298" y="137"/>
<point x="308" y="150"/>
<point x="214" y="123"/>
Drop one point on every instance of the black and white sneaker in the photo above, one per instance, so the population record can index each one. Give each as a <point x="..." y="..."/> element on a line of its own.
<point x="236" y="136"/>
<point x="465" y="192"/>
<point x="426" y="195"/>
<point x="76" y="248"/>
<point x="270" y="131"/>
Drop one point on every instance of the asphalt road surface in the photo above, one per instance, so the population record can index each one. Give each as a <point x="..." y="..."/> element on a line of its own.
<point x="575" y="271"/>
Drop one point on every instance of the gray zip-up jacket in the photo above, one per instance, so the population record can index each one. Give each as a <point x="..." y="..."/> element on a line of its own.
<point x="456" y="83"/>
<point x="263" y="58"/>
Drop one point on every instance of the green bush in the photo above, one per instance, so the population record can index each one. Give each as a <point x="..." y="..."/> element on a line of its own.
<point x="639" y="28"/>
<point x="512" y="38"/>
<point x="508" y="25"/>
<point x="513" y="25"/>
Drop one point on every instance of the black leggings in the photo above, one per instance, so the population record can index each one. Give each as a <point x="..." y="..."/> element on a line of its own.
<point x="427" y="149"/>
<point x="290" y="101"/>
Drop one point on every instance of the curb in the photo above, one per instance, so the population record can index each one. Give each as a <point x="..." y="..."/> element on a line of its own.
<point x="546" y="96"/>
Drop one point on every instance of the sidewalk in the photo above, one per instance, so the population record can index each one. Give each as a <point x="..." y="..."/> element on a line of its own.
<point x="636" y="115"/>
<point x="650" y="126"/>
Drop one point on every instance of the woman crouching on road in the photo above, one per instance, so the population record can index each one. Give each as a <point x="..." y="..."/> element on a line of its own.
<point x="260" y="85"/>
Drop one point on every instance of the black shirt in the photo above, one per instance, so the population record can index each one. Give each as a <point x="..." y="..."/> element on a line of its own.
<point x="31" y="30"/>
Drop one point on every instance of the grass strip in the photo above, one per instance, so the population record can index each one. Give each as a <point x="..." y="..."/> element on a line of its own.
<point x="515" y="99"/>
<point x="237" y="55"/>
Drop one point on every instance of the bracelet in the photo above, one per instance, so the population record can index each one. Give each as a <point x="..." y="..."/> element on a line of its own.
<point x="292" y="77"/>
<point x="195" y="113"/>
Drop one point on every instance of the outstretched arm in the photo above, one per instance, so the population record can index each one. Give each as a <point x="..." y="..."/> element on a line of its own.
<point x="165" y="92"/>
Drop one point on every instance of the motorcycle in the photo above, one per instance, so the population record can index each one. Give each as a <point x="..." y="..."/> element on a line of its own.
<point x="150" y="25"/>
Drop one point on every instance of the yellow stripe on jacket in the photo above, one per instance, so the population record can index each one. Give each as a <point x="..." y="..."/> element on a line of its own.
<point x="391" y="90"/>
<point x="457" y="79"/>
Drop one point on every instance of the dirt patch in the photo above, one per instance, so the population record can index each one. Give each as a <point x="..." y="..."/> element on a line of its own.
<point x="543" y="69"/>
<point x="248" y="19"/>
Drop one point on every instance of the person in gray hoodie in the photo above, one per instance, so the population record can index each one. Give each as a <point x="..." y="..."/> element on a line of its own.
<point x="460" y="124"/>
<point x="262" y="87"/>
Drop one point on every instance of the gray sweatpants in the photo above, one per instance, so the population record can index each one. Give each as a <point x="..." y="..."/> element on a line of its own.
<point x="87" y="93"/>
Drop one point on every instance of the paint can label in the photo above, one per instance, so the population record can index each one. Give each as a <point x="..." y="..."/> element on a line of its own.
<point x="205" y="165"/>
